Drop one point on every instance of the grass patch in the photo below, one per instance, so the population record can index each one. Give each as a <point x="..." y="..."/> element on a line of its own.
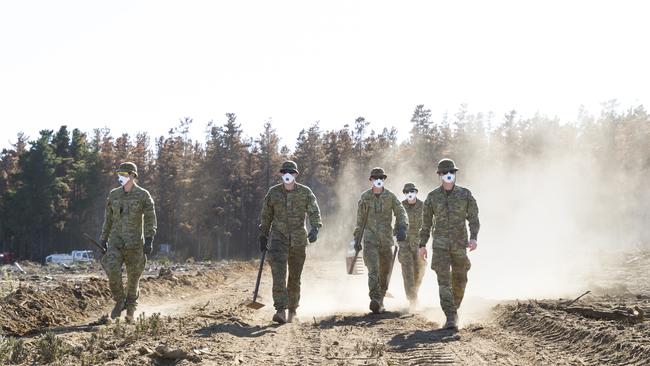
<point x="50" y="348"/>
<point x="13" y="351"/>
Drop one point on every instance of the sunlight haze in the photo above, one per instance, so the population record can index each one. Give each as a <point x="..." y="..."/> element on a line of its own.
<point x="141" y="66"/>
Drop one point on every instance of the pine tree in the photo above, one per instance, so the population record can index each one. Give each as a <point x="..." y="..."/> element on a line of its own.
<point x="309" y="156"/>
<point x="36" y="222"/>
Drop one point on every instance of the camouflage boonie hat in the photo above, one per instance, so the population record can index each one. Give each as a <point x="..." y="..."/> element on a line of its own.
<point x="378" y="172"/>
<point x="408" y="187"/>
<point x="128" y="167"/>
<point x="289" y="165"/>
<point x="446" y="165"/>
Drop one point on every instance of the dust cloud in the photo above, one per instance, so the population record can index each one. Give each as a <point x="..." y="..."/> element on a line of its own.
<point x="547" y="224"/>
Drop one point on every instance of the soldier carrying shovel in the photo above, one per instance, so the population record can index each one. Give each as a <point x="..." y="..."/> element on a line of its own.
<point x="127" y="238"/>
<point x="284" y="210"/>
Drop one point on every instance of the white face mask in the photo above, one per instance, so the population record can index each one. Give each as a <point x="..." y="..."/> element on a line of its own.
<point x="411" y="196"/>
<point x="449" y="178"/>
<point x="288" y="178"/>
<point x="378" y="183"/>
<point x="123" y="180"/>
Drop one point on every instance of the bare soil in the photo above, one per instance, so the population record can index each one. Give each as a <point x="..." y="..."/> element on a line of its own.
<point x="197" y="315"/>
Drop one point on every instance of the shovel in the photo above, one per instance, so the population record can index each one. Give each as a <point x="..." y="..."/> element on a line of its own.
<point x="254" y="304"/>
<point x="90" y="239"/>
<point x="353" y="262"/>
<point x="392" y="264"/>
<point x="99" y="246"/>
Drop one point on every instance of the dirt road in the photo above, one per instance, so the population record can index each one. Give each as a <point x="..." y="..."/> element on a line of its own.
<point x="202" y="314"/>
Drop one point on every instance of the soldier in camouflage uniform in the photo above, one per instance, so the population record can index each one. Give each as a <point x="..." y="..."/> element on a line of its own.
<point x="283" y="214"/>
<point x="376" y="209"/>
<point x="412" y="264"/>
<point x="446" y="209"/>
<point x="129" y="214"/>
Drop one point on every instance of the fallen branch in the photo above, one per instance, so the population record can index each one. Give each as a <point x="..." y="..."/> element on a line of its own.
<point x="632" y="316"/>
<point x="626" y="315"/>
<point x="576" y="299"/>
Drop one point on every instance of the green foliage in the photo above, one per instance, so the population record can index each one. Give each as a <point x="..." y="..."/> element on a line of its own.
<point x="50" y="348"/>
<point x="13" y="351"/>
<point x="208" y="193"/>
<point x="5" y="350"/>
<point x="152" y="326"/>
<point x="7" y="282"/>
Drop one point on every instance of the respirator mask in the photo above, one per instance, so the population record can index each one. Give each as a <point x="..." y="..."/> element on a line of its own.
<point x="449" y="177"/>
<point x="123" y="178"/>
<point x="288" y="178"/>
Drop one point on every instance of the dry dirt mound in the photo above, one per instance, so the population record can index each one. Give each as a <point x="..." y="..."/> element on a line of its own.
<point x="29" y="308"/>
<point x="34" y="306"/>
<point x="600" y="331"/>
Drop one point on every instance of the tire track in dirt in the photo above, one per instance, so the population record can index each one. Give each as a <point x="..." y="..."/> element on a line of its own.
<point x="580" y="340"/>
<point x="335" y="329"/>
<point x="360" y="338"/>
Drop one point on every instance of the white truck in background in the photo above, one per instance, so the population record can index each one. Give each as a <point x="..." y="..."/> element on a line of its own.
<point x="76" y="256"/>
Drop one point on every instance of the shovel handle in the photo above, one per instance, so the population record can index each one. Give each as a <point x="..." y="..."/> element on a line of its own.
<point x="259" y="276"/>
<point x="90" y="239"/>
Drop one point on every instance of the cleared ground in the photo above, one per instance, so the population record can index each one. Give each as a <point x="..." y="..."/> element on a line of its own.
<point x="195" y="314"/>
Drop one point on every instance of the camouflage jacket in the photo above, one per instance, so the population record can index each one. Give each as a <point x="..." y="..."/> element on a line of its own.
<point x="414" y="213"/>
<point x="446" y="214"/>
<point x="127" y="213"/>
<point x="284" y="213"/>
<point x="379" y="210"/>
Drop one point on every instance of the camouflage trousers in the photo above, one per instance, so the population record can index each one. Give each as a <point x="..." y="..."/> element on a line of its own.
<point x="451" y="267"/>
<point x="413" y="267"/>
<point x="378" y="260"/>
<point x="286" y="294"/>
<point x="134" y="260"/>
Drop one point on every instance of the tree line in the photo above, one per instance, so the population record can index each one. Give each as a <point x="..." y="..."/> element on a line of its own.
<point x="208" y="193"/>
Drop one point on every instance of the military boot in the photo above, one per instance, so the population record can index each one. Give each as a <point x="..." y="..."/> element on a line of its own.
<point x="375" y="306"/>
<point x="280" y="317"/>
<point x="130" y="312"/>
<point x="117" y="309"/>
<point x="452" y="321"/>
<point x="292" y="316"/>
<point x="381" y="306"/>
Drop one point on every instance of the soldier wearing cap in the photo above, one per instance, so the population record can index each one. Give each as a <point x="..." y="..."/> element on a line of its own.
<point x="127" y="237"/>
<point x="284" y="210"/>
<point x="376" y="209"/>
<point x="412" y="264"/>
<point x="446" y="209"/>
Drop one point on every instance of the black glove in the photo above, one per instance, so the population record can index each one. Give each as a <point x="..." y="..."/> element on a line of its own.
<point x="104" y="244"/>
<point x="401" y="233"/>
<point x="313" y="235"/>
<point x="358" y="246"/>
<point x="148" y="245"/>
<point x="264" y="241"/>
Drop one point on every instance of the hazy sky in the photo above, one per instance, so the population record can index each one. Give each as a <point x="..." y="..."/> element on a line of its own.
<point x="136" y="66"/>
